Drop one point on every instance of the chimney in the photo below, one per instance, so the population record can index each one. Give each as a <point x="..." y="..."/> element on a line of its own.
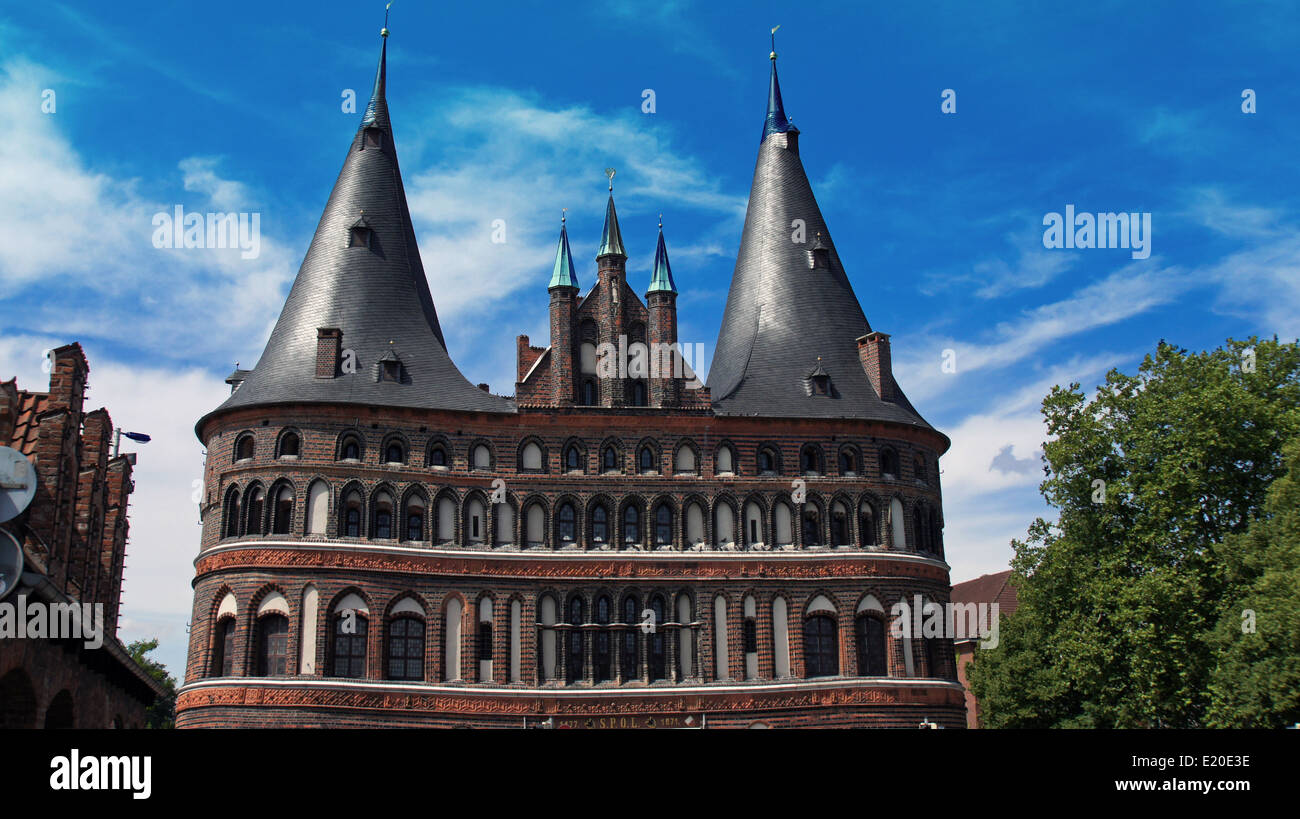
<point x="329" y="348"/>
<point x="68" y="378"/>
<point x="873" y="352"/>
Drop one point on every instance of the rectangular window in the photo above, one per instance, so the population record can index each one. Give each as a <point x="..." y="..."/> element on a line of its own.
<point x="751" y="635"/>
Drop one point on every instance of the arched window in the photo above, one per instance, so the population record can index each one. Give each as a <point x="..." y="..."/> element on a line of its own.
<point x="918" y="530"/>
<point x="232" y="512"/>
<point x="394" y="453"/>
<point x="438" y="455"/>
<point x="632" y="525"/>
<point x="383" y="527"/>
<point x="530" y="458"/>
<point x="350" y="629"/>
<point x="889" y="463"/>
<point x="656" y="651"/>
<point x="566" y="518"/>
<point x="812" y="526"/>
<point x="599" y="524"/>
<point x="318" y="507"/>
<point x="684" y="460"/>
<point x="503" y="524"/>
<point x="663" y="525"/>
<point x="694" y="523"/>
<point x="724" y="524"/>
<point x="481" y="457"/>
<point x="289" y="445"/>
<point x="223" y="648"/>
<point x="767" y="464"/>
<point x="630" y="660"/>
<point x="810" y="460"/>
<point x="572" y="459"/>
<point x="589" y="393"/>
<point x="406" y="648"/>
<point x="272" y="645"/>
<point x="244" y="448"/>
<point x="753" y="523"/>
<point x="919" y="469"/>
<point x="350" y="515"/>
<point x="253" y="512"/>
<point x="475" y="521"/>
<point x="573" y="669"/>
<point x="820" y="651"/>
<point x="350" y="449"/>
<point x="784" y="519"/>
<point x="646" y="459"/>
<point x="485" y="644"/>
<point x="638" y="394"/>
<point x="546" y="656"/>
<point x="415" y="519"/>
<point x="898" y="538"/>
<point x="282" y="518"/>
<point x="867" y="524"/>
<point x="445" y="520"/>
<point x="600" y="655"/>
<point x="871" y="646"/>
<point x="609" y="459"/>
<point x="724" y="462"/>
<point x="535" y="525"/>
<point x="848" y="462"/>
<point x="840" y="524"/>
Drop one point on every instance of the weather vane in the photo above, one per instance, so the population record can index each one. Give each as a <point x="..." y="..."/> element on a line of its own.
<point x="774" y="28"/>
<point x="563" y="215"/>
<point x="384" y="33"/>
<point x="610" y="173"/>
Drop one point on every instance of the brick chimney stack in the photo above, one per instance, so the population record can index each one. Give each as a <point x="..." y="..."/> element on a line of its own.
<point x="329" y="351"/>
<point x="873" y="352"/>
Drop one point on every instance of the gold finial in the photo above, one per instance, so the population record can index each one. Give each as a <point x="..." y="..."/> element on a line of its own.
<point x="384" y="31"/>
<point x="772" y="56"/>
<point x="661" y="221"/>
<point x="563" y="215"/>
<point x="610" y="173"/>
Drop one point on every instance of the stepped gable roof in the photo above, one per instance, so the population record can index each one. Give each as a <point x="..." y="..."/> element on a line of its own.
<point x="783" y="312"/>
<point x="373" y="289"/>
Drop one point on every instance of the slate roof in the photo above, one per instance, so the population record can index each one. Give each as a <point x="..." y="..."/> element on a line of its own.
<point x="782" y="314"/>
<point x="375" y="295"/>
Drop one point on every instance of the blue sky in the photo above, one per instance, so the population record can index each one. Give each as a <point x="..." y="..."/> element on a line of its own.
<point x="512" y="111"/>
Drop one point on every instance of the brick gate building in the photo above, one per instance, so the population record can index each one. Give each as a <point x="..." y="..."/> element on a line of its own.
<point x="386" y="543"/>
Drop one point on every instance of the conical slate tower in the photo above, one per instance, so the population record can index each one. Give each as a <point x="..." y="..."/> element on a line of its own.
<point x="362" y="277"/>
<point x="791" y="304"/>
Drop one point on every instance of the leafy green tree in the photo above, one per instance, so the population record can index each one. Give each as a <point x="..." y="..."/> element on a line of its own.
<point x="1255" y="682"/>
<point x="1117" y="596"/>
<point x="162" y="713"/>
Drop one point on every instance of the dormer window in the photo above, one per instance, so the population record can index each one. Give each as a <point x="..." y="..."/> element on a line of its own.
<point x="390" y="367"/>
<point x="818" y="380"/>
<point x="360" y="234"/>
<point x="819" y="256"/>
<point x="373" y="138"/>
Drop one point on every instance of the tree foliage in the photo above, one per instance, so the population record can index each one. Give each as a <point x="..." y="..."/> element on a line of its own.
<point x="1160" y="481"/>
<point x="162" y="713"/>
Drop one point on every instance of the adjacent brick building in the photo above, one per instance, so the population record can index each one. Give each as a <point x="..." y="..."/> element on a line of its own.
<point x="74" y="536"/>
<point x="385" y="543"/>
<point x="983" y="590"/>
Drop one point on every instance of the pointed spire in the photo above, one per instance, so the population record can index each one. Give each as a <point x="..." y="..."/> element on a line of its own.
<point x="780" y="315"/>
<point x="776" y="123"/>
<point x="661" y="281"/>
<point x="611" y="238"/>
<point x="372" y="292"/>
<point x="377" y="108"/>
<point x="563" y="275"/>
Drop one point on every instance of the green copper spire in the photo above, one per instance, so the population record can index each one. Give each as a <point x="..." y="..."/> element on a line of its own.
<point x="611" y="239"/>
<point x="661" y="281"/>
<point x="563" y="276"/>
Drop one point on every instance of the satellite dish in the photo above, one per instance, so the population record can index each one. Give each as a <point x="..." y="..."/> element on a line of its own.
<point x="11" y="563"/>
<point x="17" y="483"/>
